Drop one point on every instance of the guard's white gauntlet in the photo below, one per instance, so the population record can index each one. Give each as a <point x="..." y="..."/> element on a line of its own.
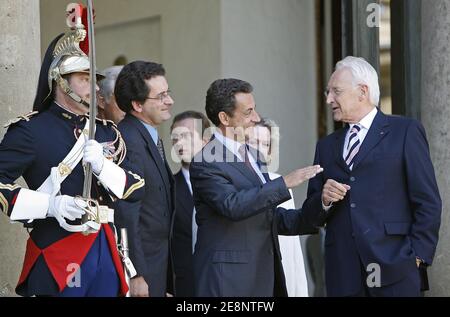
<point x="66" y="206"/>
<point x="93" y="154"/>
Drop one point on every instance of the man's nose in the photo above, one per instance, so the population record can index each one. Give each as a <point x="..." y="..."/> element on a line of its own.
<point x="169" y="100"/>
<point x="256" y="117"/>
<point x="330" y="98"/>
<point x="177" y="145"/>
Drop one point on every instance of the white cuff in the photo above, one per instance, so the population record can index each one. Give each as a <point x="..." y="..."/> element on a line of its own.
<point x="30" y="205"/>
<point x="113" y="177"/>
<point x="326" y="208"/>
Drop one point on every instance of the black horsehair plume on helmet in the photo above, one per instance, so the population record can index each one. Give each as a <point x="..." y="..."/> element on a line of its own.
<point x="42" y="100"/>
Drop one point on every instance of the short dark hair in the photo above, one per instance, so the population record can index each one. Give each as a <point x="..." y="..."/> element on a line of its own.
<point x="131" y="86"/>
<point x="221" y="97"/>
<point x="190" y="114"/>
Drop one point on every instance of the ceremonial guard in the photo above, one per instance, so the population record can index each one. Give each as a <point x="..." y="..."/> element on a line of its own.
<point x="72" y="249"/>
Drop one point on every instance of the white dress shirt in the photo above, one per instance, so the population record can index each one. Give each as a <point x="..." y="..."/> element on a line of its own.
<point x="187" y="178"/>
<point x="365" y="125"/>
<point x="233" y="147"/>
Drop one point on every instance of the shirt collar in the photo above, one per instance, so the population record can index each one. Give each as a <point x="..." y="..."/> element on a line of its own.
<point x="232" y="145"/>
<point x="152" y="130"/>
<point x="367" y="121"/>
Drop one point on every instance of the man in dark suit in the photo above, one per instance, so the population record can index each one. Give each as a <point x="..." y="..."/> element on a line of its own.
<point x="237" y="251"/>
<point x="378" y="195"/>
<point x="189" y="134"/>
<point x="142" y="92"/>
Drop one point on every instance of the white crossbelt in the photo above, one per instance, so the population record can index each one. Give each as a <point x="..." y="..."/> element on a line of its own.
<point x="68" y="163"/>
<point x="53" y="183"/>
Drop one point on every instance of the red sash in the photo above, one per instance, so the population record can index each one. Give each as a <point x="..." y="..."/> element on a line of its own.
<point x="72" y="249"/>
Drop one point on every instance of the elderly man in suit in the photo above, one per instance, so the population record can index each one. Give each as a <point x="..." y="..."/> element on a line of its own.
<point x="107" y="105"/>
<point x="237" y="251"/>
<point x="189" y="133"/>
<point x="378" y="195"/>
<point x="142" y="92"/>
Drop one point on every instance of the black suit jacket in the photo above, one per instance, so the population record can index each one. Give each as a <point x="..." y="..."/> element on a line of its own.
<point x="149" y="222"/>
<point x="182" y="238"/>
<point x="237" y="251"/>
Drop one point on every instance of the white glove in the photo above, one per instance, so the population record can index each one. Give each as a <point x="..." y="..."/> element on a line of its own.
<point x="93" y="154"/>
<point x="66" y="207"/>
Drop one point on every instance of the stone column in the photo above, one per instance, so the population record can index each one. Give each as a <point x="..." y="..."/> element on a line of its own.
<point x="435" y="112"/>
<point x="19" y="70"/>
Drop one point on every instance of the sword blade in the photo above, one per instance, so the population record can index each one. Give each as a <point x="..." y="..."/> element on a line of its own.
<point x="93" y="96"/>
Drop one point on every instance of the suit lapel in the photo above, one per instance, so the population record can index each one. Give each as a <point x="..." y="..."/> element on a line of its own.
<point x="184" y="196"/>
<point x="261" y="162"/>
<point x="378" y="130"/>
<point x="154" y="153"/>
<point x="240" y="166"/>
<point x="235" y="162"/>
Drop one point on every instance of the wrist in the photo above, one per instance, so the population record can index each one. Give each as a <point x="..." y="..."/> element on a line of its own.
<point x="419" y="261"/>
<point x="325" y="202"/>
<point x="286" y="181"/>
<point x="326" y="206"/>
<point x="99" y="166"/>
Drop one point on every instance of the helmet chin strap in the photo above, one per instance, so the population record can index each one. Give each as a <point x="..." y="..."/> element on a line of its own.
<point x="68" y="91"/>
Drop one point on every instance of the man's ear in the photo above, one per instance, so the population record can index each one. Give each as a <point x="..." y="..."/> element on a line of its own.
<point x="101" y="102"/>
<point x="136" y="106"/>
<point x="224" y="118"/>
<point x="364" y="91"/>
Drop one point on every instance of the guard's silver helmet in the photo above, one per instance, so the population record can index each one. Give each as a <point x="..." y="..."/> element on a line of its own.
<point x="70" y="58"/>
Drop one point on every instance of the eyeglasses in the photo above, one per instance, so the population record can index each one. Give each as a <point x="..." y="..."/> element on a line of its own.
<point x="175" y="137"/>
<point x="336" y="91"/>
<point x="162" y="96"/>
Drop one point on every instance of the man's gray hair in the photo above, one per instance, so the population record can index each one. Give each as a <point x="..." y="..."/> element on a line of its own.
<point x="106" y="85"/>
<point x="273" y="128"/>
<point x="363" y="73"/>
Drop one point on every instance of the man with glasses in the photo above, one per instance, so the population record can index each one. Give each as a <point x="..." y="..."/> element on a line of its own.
<point x="377" y="196"/>
<point x="142" y="92"/>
